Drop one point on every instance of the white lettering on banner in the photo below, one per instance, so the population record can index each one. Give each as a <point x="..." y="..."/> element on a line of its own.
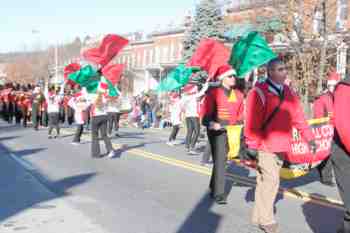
<point x="300" y="148"/>
<point x="327" y="131"/>
<point x="323" y="145"/>
<point x="317" y="133"/>
<point x="296" y="135"/>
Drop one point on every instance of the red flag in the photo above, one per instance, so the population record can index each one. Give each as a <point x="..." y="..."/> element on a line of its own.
<point x="109" y="48"/>
<point x="71" y="68"/>
<point x="209" y="56"/>
<point x="113" y="72"/>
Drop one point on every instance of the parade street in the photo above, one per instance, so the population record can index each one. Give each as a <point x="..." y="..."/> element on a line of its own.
<point x="49" y="185"/>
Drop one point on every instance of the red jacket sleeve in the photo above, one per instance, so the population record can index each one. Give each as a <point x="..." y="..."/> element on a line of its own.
<point x="208" y="108"/>
<point x="255" y="113"/>
<point x="342" y="113"/>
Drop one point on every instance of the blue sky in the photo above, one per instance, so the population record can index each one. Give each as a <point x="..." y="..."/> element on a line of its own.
<point x="63" y="20"/>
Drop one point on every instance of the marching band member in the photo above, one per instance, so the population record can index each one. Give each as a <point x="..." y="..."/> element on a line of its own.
<point x="341" y="147"/>
<point x="79" y="102"/>
<point x="53" y="98"/>
<point x="323" y="107"/>
<point x="222" y="106"/>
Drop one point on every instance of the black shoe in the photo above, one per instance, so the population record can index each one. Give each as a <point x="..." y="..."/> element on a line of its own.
<point x="328" y="183"/>
<point x="117" y="135"/>
<point x="221" y="200"/>
<point x="97" y="156"/>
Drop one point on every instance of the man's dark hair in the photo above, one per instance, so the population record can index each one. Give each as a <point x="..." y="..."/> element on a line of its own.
<point x="276" y="61"/>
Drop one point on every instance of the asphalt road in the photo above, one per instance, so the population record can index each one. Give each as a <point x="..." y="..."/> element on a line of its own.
<point x="151" y="187"/>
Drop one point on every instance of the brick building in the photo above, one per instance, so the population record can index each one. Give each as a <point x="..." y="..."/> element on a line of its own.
<point x="147" y="61"/>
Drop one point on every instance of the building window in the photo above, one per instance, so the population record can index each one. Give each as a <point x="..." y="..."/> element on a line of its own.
<point x="172" y="52"/>
<point x="145" y="57"/>
<point x="151" y="56"/>
<point x="138" y="59"/>
<point x="133" y="60"/>
<point x="165" y="54"/>
<point x="157" y="54"/>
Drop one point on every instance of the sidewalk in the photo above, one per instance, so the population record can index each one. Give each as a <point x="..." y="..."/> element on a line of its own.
<point x="27" y="206"/>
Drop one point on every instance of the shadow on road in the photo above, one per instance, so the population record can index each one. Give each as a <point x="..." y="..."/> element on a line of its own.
<point x="201" y="219"/>
<point x="322" y="219"/>
<point x="26" y="152"/>
<point x="8" y="138"/>
<point x="61" y="187"/>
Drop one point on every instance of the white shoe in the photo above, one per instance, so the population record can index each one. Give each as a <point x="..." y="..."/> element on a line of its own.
<point x="111" y="154"/>
<point x="75" y="143"/>
<point x="170" y="143"/>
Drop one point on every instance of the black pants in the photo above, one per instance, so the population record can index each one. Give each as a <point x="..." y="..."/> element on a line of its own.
<point x="44" y="120"/>
<point x="192" y="124"/>
<point x="206" y="153"/>
<point x="341" y="165"/>
<point x="174" y="132"/>
<point x="70" y="115"/>
<point x="113" y="120"/>
<point x="24" y="111"/>
<point x="78" y="133"/>
<point x="11" y="112"/>
<point x="18" y="114"/>
<point x="62" y="115"/>
<point x="54" y="122"/>
<point x="325" y="170"/>
<point x="219" y="147"/>
<point x="35" y="117"/>
<point x="99" y="124"/>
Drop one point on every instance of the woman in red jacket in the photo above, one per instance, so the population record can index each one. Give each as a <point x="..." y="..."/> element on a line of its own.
<point x="341" y="147"/>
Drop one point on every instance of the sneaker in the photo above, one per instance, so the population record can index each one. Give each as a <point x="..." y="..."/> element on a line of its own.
<point x="270" y="228"/>
<point x="192" y="152"/>
<point x="170" y="143"/>
<point x="111" y="154"/>
<point x="49" y="137"/>
<point x="75" y="143"/>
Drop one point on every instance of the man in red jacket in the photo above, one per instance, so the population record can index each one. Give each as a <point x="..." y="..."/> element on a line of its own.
<point x="323" y="107"/>
<point x="341" y="147"/>
<point x="272" y="110"/>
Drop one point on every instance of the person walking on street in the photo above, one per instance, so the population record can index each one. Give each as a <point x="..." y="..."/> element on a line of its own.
<point x="37" y="100"/>
<point x="272" y="110"/>
<point x="113" y="115"/>
<point x="222" y="106"/>
<point x="54" y="98"/>
<point x="175" y="117"/>
<point x="99" y="121"/>
<point x="80" y="104"/>
<point x="341" y="147"/>
<point x="190" y="106"/>
<point x="323" y="107"/>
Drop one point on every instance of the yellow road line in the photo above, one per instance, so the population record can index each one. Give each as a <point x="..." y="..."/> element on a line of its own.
<point x="292" y="193"/>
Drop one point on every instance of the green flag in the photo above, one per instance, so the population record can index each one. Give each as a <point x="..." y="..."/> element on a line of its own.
<point x="249" y="53"/>
<point x="89" y="78"/>
<point x="177" y="78"/>
<point x="83" y="76"/>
